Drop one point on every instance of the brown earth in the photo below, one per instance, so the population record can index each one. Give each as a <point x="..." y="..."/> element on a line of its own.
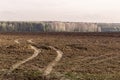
<point x="93" y="56"/>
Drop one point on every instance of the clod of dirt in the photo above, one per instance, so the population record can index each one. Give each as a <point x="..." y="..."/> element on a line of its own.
<point x="11" y="47"/>
<point x="78" y="46"/>
<point x="44" y="47"/>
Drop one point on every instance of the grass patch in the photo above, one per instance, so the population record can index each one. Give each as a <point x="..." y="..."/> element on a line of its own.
<point x="88" y="76"/>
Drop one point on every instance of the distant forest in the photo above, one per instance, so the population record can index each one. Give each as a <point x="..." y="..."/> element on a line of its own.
<point x="58" y="27"/>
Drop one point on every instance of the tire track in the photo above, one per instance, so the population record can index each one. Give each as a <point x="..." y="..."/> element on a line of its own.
<point x="103" y="60"/>
<point x="49" y="68"/>
<point x="100" y="59"/>
<point x="101" y="56"/>
<point x="15" y="66"/>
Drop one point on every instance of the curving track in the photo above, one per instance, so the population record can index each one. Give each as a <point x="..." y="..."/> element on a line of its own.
<point x="15" y="66"/>
<point x="49" y="68"/>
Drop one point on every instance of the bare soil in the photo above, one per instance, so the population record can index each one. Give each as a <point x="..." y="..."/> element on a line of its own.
<point x="94" y="56"/>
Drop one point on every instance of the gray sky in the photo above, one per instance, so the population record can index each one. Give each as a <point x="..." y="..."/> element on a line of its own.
<point x="60" y="10"/>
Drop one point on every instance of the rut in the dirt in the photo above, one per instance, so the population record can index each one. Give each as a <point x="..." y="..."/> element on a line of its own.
<point x="49" y="68"/>
<point x="15" y="66"/>
<point x="36" y="52"/>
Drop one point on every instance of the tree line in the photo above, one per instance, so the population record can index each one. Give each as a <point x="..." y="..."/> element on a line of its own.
<point x="57" y="27"/>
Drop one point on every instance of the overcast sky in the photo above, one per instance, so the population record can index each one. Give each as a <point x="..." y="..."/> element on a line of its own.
<point x="60" y="10"/>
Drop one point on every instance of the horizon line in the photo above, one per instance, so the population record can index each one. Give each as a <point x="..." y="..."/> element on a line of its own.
<point x="58" y="21"/>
